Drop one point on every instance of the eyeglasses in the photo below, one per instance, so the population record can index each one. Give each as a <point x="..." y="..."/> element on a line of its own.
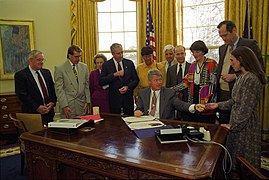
<point x="40" y="60"/>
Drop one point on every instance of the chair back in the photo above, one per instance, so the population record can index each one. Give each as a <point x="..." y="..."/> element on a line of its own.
<point x="18" y="124"/>
<point x="32" y="122"/>
<point x="247" y="171"/>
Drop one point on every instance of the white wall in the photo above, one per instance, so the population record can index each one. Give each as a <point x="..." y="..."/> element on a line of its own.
<point x="51" y="28"/>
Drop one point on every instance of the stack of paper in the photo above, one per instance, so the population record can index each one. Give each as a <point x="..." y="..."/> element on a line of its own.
<point x="66" y="123"/>
<point x="142" y="122"/>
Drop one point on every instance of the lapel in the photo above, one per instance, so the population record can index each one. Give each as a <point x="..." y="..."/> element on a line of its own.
<point x="125" y="69"/>
<point x="162" y="102"/>
<point x="186" y="69"/>
<point x="146" y="106"/>
<point x="32" y="80"/>
<point x="222" y="56"/>
<point x="112" y="67"/>
<point x="70" y="74"/>
<point x="80" y="76"/>
<point x="45" y="78"/>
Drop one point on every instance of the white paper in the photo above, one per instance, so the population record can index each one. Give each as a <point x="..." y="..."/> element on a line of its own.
<point x="138" y="119"/>
<point x="145" y="124"/>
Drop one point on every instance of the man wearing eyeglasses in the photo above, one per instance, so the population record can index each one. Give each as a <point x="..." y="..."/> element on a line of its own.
<point x="34" y="87"/>
<point x="72" y="84"/>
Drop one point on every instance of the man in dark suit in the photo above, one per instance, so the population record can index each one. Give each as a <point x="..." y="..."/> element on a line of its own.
<point x="34" y="87"/>
<point x="225" y="73"/>
<point x="161" y="102"/>
<point x="120" y="74"/>
<point x="173" y="77"/>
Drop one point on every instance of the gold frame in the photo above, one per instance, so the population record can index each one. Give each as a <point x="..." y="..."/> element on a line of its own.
<point x="16" y="41"/>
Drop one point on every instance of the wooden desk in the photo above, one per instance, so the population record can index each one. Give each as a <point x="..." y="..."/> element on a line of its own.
<point x="113" y="151"/>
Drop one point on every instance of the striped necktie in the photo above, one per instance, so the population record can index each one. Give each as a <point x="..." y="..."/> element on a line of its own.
<point x="75" y="72"/>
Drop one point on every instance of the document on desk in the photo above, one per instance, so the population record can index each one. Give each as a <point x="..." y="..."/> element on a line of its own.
<point x="138" y="119"/>
<point x="142" y="122"/>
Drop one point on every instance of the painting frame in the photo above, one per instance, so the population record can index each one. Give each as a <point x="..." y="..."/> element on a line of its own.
<point x="16" y="41"/>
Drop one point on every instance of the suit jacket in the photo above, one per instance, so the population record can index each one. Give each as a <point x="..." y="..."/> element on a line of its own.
<point x="130" y="79"/>
<point x="165" y="70"/>
<point x="252" y="44"/>
<point x="171" y="78"/>
<point x="168" y="103"/>
<point x="29" y="94"/>
<point x="69" y="92"/>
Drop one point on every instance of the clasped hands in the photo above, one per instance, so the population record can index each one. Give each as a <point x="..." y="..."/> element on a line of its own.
<point x="208" y="106"/>
<point x="44" y="109"/>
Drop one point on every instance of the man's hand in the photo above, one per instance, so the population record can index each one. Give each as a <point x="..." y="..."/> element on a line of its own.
<point x="67" y="112"/>
<point x="86" y="108"/>
<point x="199" y="107"/>
<point x="138" y="113"/>
<point x="119" y="73"/>
<point x="123" y="89"/>
<point x="43" y="109"/>
<point x="227" y="126"/>
<point x="228" y="77"/>
<point x="211" y="106"/>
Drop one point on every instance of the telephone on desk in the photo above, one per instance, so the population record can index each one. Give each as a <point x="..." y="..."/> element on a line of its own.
<point x="179" y="134"/>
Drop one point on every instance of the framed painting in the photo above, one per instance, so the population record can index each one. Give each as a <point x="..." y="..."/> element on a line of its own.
<point x="16" y="41"/>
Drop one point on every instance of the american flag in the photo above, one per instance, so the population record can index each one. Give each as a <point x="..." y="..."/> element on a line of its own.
<point x="150" y="39"/>
<point x="247" y="32"/>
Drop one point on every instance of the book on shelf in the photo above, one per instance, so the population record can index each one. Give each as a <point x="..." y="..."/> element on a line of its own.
<point x="66" y="123"/>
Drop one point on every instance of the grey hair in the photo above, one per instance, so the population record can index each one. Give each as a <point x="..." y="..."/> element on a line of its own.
<point x="168" y="47"/>
<point x="114" y="46"/>
<point x="33" y="54"/>
<point x="154" y="72"/>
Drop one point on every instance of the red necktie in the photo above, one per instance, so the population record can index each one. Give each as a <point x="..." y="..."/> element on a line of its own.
<point x="43" y="88"/>
<point x="119" y="69"/>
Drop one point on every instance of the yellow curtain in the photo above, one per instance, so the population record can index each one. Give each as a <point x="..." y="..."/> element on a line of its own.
<point x="235" y="11"/>
<point x="84" y="28"/>
<point x="164" y="22"/>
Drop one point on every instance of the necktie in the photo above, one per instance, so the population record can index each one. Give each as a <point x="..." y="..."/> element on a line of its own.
<point x="153" y="104"/>
<point x="75" y="72"/>
<point x="169" y="65"/>
<point x="43" y="88"/>
<point x="119" y="69"/>
<point x="179" y="74"/>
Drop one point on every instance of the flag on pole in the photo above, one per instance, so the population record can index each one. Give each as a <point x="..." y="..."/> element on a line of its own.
<point x="150" y="39"/>
<point x="247" y="32"/>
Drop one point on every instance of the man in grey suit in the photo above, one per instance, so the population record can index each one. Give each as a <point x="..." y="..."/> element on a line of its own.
<point x="225" y="73"/>
<point x="176" y="73"/>
<point x="165" y="100"/>
<point x="72" y="85"/>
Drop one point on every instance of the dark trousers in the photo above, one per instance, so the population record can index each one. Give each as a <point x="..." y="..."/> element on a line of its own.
<point x="224" y="116"/>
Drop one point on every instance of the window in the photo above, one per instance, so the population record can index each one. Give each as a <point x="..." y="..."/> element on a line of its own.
<point x="117" y="24"/>
<point x="199" y="22"/>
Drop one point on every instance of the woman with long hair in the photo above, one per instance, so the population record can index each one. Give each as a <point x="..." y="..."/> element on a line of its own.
<point x="244" y="136"/>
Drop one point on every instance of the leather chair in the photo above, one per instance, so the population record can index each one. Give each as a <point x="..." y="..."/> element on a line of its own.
<point x="247" y="171"/>
<point x="25" y="122"/>
<point x="20" y="129"/>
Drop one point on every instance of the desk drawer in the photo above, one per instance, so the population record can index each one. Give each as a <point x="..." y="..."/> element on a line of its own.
<point x="8" y="128"/>
<point x="9" y="103"/>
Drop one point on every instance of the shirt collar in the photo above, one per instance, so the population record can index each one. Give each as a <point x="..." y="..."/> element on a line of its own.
<point x="235" y="43"/>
